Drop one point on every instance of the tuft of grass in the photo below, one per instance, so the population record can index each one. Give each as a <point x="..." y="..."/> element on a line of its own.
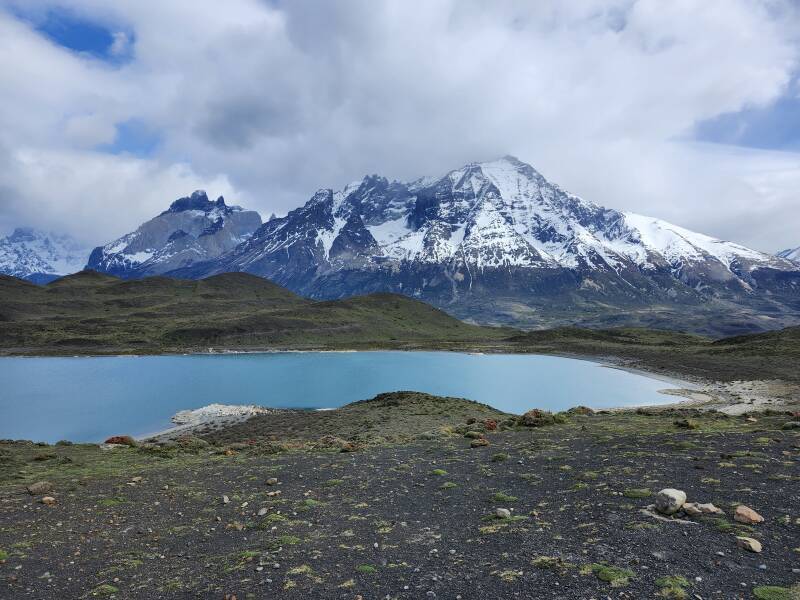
<point x="503" y="497"/>
<point x="448" y="485"/>
<point x="3" y="556"/>
<point x="439" y="472"/>
<point x="500" y="457"/>
<point x="773" y="592"/>
<point x="115" y="501"/>
<point x="673" y="586"/>
<point x="636" y="493"/>
<point x="616" y="576"/>
<point x="334" y="482"/>
<point x="366" y="569"/>
<point x="105" y="589"/>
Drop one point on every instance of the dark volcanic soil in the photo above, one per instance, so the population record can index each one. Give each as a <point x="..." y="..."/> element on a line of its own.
<point x="413" y="520"/>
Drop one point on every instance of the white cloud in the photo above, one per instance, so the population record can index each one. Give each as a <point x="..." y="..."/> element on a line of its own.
<point x="287" y="97"/>
<point x="96" y="197"/>
<point x="120" y="45"/>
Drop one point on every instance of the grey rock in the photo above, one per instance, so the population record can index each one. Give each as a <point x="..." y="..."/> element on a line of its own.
<point x="669" y="501"/>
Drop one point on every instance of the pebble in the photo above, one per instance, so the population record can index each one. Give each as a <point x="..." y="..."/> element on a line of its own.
<point x="262" y="511"/>
<point x="502" y="513"/>
<point x="272" y="481"/>
<point x="225" y="499"/>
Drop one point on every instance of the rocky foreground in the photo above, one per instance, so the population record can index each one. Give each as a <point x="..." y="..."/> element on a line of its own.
<point x="413" y="496"/>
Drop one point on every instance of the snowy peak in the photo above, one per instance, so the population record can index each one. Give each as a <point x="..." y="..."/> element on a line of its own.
<point x="39" y="256"/>
<point x="194" y="229"/>
<point x="790" y="254"/>
<point x="496" y="214"/>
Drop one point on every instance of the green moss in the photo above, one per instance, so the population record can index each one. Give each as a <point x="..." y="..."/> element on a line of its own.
<point x="105" y="590"/>
<point x="448" y="485"/>
<point x="366" y="569"/>
<point x="3" y="555"/>
<point x="439" y="472"/>
<point x="636" y="493"/>
<point x="500" y="457"/>
<point x="115" y="501"/>
<point x="288" y="540"/>
<point x="772" y="592"/>
<point x="616" y="576"/>
<point x="503" y="497"/>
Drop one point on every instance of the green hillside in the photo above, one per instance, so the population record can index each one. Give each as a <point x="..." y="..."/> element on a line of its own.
<point x="89" y="313"/>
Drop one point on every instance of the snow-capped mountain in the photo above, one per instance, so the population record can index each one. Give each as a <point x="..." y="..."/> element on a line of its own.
<point x="40" y="256"/>
<point x="194" y="229"/>
<point x="790" y="254"/>
<point x="497" y="242"/>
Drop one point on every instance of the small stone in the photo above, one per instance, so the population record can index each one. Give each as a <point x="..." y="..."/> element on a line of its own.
<point x="709" y="509"/>
<point x="502" y="513"/>
<point x="745" y="514"/>
<point x="40" y="487"/>
<point x="272" y="481"/>
<point x="262" y="511"/>
<point x="48" y="500"/>
<point x="225" y="499"/>
<point x="669" y="501"/>
<point x="691" y="509"/>
<point x="137" y="479"/>
<point x="749" y="544"/>
<point x="695" y="509"/>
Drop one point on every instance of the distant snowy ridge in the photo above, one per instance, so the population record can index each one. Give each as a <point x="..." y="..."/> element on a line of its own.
<point x="790" y="254"/>
<point x="39" y="256"/>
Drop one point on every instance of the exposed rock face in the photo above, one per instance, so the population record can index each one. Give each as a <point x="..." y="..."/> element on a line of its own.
<point x="497" y="242"/>
<point x="193" y="229"/>
<point x="39" y="256"/>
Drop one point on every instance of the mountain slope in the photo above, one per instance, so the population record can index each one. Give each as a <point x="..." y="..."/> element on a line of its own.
<point x="790" y="254"/>
<point x="497" y="243"/>
<point x="193" y="229"/>
<point x="96" y="313"/>
<point x="39" y="256"/>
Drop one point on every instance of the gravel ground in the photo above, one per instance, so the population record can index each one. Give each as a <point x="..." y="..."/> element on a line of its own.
<point x="412" y="520"/>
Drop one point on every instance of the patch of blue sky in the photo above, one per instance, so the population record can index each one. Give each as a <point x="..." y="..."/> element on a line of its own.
<point x="772" y="127"/>
<point x="70" y="30"/>
<point x="133" y="137"/>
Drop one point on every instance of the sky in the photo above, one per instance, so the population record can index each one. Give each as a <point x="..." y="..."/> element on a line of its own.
<point x="687" y="110"/>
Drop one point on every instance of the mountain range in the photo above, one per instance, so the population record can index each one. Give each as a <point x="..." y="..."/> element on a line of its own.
<point x="492" y="242"/>
<point x="495" y="242"/>
<point x="40" y="256"/>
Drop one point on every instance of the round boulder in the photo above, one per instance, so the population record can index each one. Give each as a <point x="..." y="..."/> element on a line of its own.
<point x="669" y="501"/>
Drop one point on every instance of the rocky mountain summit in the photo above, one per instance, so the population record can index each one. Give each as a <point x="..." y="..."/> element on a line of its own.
<point x="40" y="256"/>
<point x="496" y="242"/>
<point x="194" y="229"/>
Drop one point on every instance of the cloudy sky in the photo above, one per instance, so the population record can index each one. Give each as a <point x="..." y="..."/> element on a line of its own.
<point x="685" y="110"/>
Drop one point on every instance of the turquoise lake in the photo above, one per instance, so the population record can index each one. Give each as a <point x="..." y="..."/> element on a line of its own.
<point x="86" y="399"/>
